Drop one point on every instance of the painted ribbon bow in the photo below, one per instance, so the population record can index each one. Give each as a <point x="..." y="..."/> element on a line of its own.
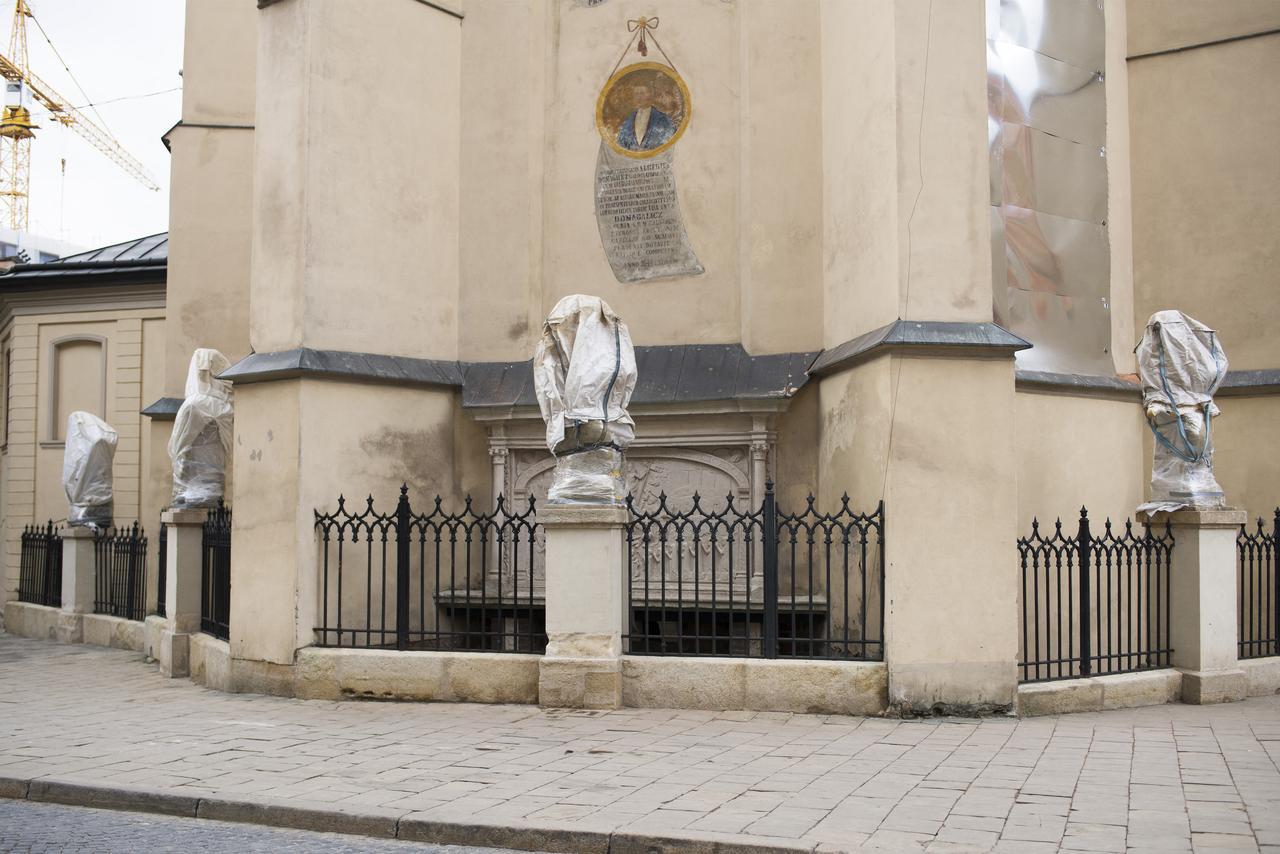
<point x="642" y="24"/>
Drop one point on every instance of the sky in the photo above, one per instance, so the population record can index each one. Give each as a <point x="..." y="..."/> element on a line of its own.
<point x="118" y="50"/>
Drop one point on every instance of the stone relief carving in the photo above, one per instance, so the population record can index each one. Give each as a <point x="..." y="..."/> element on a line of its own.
<point x="713" y="474"/>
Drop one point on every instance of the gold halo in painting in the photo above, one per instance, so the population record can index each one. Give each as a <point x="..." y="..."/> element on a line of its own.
<point x="643" y="109"/>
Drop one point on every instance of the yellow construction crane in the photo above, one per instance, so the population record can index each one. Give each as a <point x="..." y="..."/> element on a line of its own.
<point x="21" y="89"/>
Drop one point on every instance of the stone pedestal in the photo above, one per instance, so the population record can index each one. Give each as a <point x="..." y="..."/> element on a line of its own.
<point x="582" y="668"/>
<point x="78" y="583"/>
<point x="182" y="589"/>
<point x="1202" y="603"/>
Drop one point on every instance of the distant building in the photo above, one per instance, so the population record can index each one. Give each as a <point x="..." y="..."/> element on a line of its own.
<point x="39" y="249"/>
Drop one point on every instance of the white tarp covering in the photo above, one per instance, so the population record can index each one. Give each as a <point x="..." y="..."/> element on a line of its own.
<point x="1181" y="364"/>
<point x="584" y="371"/>
<point x="86" y="470"/>
<point x="200" y="445"/>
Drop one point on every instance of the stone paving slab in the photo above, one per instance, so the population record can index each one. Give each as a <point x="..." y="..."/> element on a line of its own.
<point x="93" y="726"/>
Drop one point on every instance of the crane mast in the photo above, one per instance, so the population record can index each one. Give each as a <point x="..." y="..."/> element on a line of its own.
<point x="16" y="128"/>
<point x="23" y="87"/>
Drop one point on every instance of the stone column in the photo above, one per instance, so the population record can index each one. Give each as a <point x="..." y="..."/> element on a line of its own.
<point x="1202" y="603"/>
<point x="351" y="388"/>
<point x="182" y="593"/>
<point x="586" y="607"/>
<point x="79" y="579"/>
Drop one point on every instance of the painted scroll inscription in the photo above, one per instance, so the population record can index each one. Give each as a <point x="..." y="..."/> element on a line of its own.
<point x="641" y="113"/>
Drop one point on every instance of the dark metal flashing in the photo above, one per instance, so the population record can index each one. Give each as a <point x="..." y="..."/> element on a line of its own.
<point x="923" y="337"/>
<point x="164" y="409"/>
<point x="670" y="374"/>
<point x="666" y="374"/>
<point x="1197" y="46"/>
<point x="439" y="7"/>
<point x="1236" y="384"/>
<point x="1241" y="383"/>
<point x="1085" y="384"/>
<point x="164" y="137"/>
<point x="369" y="367"/>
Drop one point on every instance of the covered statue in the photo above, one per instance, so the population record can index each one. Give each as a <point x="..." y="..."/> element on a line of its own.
<point x="584" y="371"/>
<point x="1181" y="364"/>
<point x="86" y="470"/>
<point x="200" y="445"/>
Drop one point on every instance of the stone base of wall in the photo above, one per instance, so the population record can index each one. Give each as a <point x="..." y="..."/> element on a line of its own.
<point x="465" y="677"/>
<point x="210" y="662"/>
<point x="31" y="621"/>
<point x="1097" y="693"/>
<point x="717" y="684"/>
<point x="41" y="621"/>
<point x="1263" y="675"/>
<point x="115" y="632"/>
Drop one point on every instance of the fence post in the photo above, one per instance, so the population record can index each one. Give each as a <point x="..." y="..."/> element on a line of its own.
<point x="1084" y="543"/>
<point x="769" y="521"/>
<point x="403" y="516"/>
<point x="1275" y="579"/>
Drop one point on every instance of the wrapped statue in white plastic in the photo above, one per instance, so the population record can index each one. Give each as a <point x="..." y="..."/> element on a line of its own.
<point x="200" y="445"/>
<point x="1181" y="364"/>
<point x="86" y="470"/>
<point x="584" y="371"/>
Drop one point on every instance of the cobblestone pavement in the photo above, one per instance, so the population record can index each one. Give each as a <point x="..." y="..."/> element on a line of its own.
<point x="29" y="828"/>
<point x="1166" y="779"/>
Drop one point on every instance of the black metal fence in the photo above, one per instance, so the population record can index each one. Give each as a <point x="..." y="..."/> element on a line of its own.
<point x="120" y="572"/>
<point x="215" y="573"/>
<point x="40" y="566"/>
<point x="1094" y="605"/>
<point x="436" y="580"/>
<point x="162" y="569"/>
<point x="759" y="583"/>
<point x="1258" y="585"/>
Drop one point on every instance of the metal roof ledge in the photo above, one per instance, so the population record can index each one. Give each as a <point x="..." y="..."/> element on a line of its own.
<point x="922" y="338"/>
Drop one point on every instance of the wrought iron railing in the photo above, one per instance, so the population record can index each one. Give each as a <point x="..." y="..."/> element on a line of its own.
<point x="215" y="573"/>
<point x="1094" y="605"/>
<point x="437" y="580"/>
<point x="120" y="572"/>
<point x="162" y="569"/>
<point x="755" y="583"/>
<point x="1258" y="587"/>
<point x="40" y="565"/>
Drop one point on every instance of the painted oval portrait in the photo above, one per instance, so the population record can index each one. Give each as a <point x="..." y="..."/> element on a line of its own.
<point x="643" y="109"/>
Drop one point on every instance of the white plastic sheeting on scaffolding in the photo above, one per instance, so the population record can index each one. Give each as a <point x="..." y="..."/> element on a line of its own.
<point x="86" y="470"/>
<point x="200" y="445"/>
<point x="1181" y="364"/>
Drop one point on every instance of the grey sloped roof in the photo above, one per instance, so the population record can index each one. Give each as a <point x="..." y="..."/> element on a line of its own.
<point x="154" y="247"/>
<point x="145" y="257"/>
<point x="666" y="375"/>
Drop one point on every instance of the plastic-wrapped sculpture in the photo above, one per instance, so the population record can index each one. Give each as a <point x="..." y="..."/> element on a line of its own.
<point x="584" y="371"/>
<point x="1181" y="365"/>
<point x="86" y="470"/>
<point x="200" y="445"/>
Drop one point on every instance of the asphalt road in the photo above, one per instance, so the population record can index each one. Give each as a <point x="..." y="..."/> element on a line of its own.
<point x="36" y="828"/>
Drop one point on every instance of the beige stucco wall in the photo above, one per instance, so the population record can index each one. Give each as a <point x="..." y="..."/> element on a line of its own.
<point x="356" y="243"/>
<point x="1205" y="217"/>
<point x="1075" y="452"/>
<point x="1244" y="438"/>
<point x="748" y="171"/>
<point x="210" y="205"/>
